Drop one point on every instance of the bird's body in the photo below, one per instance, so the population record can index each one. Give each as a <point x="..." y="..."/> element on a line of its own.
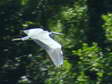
<point x="43" y="39"/>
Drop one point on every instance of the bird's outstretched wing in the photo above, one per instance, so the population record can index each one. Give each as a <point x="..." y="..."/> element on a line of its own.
<point x="55" y="53"/>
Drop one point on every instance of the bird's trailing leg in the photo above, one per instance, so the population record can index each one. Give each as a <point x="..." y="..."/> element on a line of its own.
<point x="23" y="38"/>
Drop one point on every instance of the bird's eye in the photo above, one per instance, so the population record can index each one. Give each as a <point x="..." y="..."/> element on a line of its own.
<point x="51" y="35"/>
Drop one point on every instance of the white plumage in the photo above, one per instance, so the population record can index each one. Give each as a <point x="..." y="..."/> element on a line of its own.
<point x="43" y="39"/>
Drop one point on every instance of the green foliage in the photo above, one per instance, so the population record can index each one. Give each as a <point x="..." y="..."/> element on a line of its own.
<point x="69" y="20"/>
<point x="108" y="26"/>
<point x="24" y="2"/>
<point x="90" y="64"/>
<point x="60" y="75"/>
<point x="91" y="56"/>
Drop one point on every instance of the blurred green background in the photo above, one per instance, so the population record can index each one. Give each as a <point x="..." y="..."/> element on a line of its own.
<point x="87" y="41"/>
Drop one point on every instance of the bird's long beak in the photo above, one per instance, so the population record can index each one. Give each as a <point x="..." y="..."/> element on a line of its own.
<point x="56" y="33"/>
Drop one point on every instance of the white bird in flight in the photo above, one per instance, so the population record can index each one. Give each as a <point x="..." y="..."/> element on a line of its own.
<point x="43" y="39"/>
